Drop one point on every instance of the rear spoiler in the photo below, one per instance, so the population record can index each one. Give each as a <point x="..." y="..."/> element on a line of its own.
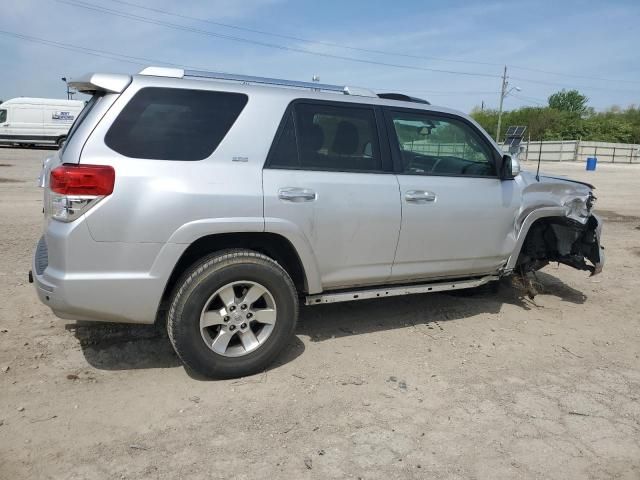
<point x="100" y="82"/>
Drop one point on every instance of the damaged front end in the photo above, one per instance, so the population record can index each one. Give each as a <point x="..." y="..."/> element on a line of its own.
<point x="572" y="239"/>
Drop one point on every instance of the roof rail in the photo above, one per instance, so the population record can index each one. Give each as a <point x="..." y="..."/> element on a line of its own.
<point x="179" y="73"/>
<point x="280" y="82"/>
<point x="403" y="98"/>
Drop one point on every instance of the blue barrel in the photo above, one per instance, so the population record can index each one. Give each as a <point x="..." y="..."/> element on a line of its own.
<point x="591" y="163"/>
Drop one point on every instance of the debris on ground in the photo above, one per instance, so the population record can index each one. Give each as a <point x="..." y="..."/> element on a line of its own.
<point x="137" y="447"/>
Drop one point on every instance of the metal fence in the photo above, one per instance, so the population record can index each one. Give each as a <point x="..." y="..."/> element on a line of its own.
<point x="579" y="151"/>
<point x="438" y="149"/>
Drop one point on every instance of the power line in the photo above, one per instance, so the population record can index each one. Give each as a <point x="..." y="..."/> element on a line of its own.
<point x="583" y="77"/>
<point x="301" y="39"/>
<point x="360" y="49"/>
<point x="138" y="18"/>
<point x="144" y="61"/>
<point x="94" y="52"/>
<point x="564" y="85"/>
<point x="527" y="99"/>
<point x="130" y="16"/>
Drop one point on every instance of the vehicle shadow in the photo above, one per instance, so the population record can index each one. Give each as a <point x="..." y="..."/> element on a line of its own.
<point x="121" y="346"/>
<point x="116" y="346"/>
<point x="327" y="321"/>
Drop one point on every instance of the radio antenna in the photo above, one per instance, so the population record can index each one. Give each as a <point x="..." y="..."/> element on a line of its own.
<point x="539" y="158"/>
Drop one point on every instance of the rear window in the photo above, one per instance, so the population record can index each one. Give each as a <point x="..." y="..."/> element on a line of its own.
<point x="174" y="124"/>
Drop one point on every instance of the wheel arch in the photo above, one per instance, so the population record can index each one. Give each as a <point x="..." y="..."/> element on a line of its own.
<point x="533" y="217"/>
<point x="273" y="245"/>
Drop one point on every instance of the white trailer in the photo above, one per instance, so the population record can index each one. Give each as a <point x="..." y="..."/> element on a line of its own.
<point x="37" y="121"/>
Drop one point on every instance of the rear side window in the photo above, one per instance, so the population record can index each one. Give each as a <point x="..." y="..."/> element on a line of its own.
<point x="328" y="137"/>
<point x="3" y="116"/>
<point x="88" y="106"/>
<point x="174" y="124"/>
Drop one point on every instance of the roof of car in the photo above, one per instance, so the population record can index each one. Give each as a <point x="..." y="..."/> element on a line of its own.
<point x="292" y="89"/>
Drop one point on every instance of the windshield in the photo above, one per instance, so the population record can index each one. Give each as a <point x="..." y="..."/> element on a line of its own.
<point x="87" y="108"/>
<point x="3" y="116"/>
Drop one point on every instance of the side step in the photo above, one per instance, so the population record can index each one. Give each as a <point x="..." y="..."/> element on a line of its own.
<point x="346" y="296"/>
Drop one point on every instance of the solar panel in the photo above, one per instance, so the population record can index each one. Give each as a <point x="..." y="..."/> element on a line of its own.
<point x="513" y="136"/>
<point x="513" y="141"/>
<point x="515" y="131"/>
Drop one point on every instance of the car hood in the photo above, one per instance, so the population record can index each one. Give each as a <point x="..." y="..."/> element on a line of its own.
<point x="564" y="183"/>
<point x="565" y="179"/>
<point x="573" y="197"/>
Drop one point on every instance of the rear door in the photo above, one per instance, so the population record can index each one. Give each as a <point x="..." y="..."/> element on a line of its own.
<point x="328" y="178"/>
<point x="457" y="215"/>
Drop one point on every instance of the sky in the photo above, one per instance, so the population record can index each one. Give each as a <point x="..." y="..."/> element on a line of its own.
<point x="451" y="53"/>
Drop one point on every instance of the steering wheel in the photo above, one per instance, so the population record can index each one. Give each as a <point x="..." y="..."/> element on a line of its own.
<point x="464" y="169"/>
<point x="435" y="164"/>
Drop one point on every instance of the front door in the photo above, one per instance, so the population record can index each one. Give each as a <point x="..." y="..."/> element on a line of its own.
<point x="457" y="215"/>
<point x="328" y="177"/>
<point x="5" y="124"/>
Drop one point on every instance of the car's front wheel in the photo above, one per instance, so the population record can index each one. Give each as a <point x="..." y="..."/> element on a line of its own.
<point x="232" y="313"/>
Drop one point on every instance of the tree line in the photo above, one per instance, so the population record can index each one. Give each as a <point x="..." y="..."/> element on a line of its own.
<point x="567" y="117"/>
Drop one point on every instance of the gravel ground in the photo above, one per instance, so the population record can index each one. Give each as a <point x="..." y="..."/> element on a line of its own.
<point x="490" y="385"/>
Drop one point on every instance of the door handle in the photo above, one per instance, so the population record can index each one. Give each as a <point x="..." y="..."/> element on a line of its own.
<point x="292" y="194"/>
<point x="420" y="196"/>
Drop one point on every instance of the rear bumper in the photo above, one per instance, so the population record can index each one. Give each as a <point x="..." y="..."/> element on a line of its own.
<point x="81" y="279"/>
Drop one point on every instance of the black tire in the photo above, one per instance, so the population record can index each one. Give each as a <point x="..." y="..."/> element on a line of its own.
<point x="195" y="288"/>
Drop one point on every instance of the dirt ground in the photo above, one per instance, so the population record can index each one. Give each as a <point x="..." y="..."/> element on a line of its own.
<point x="490" y="386"/>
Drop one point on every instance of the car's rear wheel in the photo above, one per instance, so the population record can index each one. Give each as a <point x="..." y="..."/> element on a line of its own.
<point x="232" y="313"/>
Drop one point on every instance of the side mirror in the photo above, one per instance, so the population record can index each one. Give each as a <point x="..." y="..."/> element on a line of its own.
<point x="510" y="167"/>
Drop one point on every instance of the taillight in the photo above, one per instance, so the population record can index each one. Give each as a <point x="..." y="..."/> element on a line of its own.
<point x="74" y="189"/>
<point x="72" y="179"/>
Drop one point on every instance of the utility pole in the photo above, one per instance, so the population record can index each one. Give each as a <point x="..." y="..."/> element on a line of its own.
<point x="503" y="93"/>
<point x="69" y="92"/>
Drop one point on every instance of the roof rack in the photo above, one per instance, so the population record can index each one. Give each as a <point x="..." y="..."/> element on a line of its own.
<point x="403" y="98"/>
<point x="247" y="79"/>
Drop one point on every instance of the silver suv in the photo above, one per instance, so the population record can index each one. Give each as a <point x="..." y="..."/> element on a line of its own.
<point x="219" y="202"/>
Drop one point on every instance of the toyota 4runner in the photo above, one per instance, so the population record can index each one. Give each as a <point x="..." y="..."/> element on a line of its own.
<point x="219" y="202"/>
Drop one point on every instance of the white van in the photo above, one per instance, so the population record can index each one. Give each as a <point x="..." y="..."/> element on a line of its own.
<point x="37" y="121"/>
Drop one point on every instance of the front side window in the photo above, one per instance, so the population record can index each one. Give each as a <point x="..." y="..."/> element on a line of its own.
<point x="328" y="137"/>
<point x="3" y="116"/>
<point x="430" y="144"/>
<point x="174" y="124"/>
